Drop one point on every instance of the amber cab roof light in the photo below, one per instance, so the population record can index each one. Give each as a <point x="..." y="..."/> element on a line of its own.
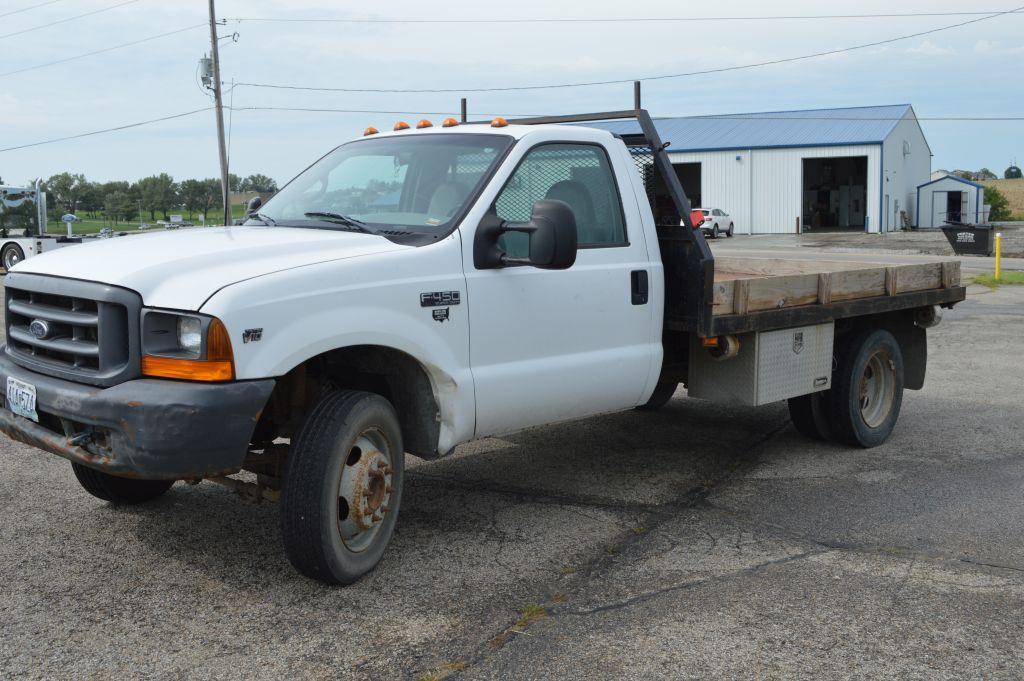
<point x="370" y="131"/>
<point x="449" y="123"/>
<point x="499" y="122"/>
<point x="401" y="125"/>
<point x="424" y="124"/>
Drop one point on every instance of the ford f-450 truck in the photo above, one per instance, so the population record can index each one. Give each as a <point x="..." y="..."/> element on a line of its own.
<point x="416" y="289"/>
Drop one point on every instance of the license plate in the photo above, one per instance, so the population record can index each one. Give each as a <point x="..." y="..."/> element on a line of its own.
<point x="21" y="398"/>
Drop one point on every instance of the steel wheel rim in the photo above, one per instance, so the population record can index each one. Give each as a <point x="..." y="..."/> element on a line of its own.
<point x="365" y="490"/>
<point x="11" y="259"/>
<point x="877" y="389"/>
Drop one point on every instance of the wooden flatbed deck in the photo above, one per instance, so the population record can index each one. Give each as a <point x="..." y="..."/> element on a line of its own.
<point x="745" y="285"/>
<point x="755" y="294"/>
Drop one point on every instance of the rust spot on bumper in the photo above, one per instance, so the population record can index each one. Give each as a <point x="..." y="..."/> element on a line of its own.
<point x="31" y="433"/>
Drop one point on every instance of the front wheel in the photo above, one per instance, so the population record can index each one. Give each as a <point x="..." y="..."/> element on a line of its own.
<point x="119" y="491"/>
<point x="867" y="389"/>
<point x="714" y="231"/>
<point x="728" y="232"/>
<point x="342" y="487"/>
<point x="11" y="256"/>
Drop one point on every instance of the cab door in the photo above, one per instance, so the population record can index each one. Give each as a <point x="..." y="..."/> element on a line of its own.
<point x="552" y="345"/>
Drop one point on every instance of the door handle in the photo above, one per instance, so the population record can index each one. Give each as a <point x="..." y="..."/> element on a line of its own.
<point x="638" y="286"/>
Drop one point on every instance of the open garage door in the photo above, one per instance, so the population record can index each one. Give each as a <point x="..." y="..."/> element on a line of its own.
<point x="835" y="193"/>
<point x="689" y="177"/>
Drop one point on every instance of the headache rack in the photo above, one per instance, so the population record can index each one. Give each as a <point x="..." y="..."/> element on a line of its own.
<point x="686" y="256"/>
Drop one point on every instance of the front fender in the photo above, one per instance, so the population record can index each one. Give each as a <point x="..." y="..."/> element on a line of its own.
<point x="305" y="312"/>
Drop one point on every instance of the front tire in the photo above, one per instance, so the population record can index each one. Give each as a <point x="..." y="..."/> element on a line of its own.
<point x="714" y="231"/>
<point x="342" y="487"/>
<point x="119" y="491"/>
<point x="11" y="256"/>
<point x="728" y="232"/>
<point x="867" y="389"/>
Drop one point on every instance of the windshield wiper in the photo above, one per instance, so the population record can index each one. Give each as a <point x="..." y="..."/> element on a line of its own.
<point x="267" y="220"/>
<point x="340" y="219"/>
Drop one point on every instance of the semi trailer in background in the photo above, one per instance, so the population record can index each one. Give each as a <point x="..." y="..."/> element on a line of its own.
<point x="23" y="225"/>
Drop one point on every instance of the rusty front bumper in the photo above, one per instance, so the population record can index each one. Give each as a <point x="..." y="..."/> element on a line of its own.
<point x="146" y="428"/>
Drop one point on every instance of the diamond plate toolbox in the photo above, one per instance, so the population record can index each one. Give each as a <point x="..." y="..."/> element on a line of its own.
<point x="771" y="366"/>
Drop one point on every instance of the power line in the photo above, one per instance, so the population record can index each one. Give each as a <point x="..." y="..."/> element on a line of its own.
<point x="752" y="117"/>
<point x="749" y="117"/>
<point x="617" y="20"/>
<point x="64" y="21"/>
<point x="105" y="49"/>
<point x="618" y="81"/>
<point x="25" y="9"/>
<point x="106" y="130"/>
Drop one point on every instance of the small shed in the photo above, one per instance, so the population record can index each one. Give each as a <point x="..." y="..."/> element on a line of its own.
<point x="950" y="200"/>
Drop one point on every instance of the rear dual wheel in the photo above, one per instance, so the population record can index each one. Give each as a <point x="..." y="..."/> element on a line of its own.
<point x="863" y="404"/>
<point x="661" y="396"/>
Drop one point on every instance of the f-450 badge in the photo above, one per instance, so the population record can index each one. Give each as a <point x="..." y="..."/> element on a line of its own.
<point x="440" y="298"/>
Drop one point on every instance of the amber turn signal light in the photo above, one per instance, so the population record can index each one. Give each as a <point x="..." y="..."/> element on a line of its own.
<point x="401" y="125"/>
<point x="219" y="364"/>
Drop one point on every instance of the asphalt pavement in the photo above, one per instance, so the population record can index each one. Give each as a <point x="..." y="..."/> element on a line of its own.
<point x="696" y="542"/>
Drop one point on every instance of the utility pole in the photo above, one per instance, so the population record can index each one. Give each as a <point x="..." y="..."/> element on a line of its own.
<point x="219" y="103"/>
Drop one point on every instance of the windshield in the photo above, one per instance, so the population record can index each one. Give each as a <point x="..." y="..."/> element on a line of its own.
<point x="417" y="184"/>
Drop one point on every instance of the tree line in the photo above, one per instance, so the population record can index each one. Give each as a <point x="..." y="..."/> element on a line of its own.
<point x="121" y="200"/>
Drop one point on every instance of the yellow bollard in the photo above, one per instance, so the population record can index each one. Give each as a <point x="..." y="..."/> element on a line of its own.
<point x="999" y="255"/>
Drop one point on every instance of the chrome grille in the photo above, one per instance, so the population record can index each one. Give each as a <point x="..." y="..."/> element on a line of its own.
<point x="76" y="330"/>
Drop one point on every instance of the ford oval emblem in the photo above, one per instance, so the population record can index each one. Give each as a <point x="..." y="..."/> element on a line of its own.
<point x="39" y="329"/>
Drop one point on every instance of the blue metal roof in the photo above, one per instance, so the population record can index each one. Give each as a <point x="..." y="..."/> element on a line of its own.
<point x="947" y="176"/>
<point x="811" y="128"/>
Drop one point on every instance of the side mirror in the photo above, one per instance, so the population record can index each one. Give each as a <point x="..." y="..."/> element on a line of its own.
<point x="253" y="205"/>
<point x="552" y="234"/>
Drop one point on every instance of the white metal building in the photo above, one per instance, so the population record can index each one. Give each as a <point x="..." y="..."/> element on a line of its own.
<point x="785" y="171"/>
<point x="950" y="199"/>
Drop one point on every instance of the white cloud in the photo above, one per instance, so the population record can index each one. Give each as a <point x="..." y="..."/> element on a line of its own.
<point x="994" y="48"/>
<point x="929" y="49"/>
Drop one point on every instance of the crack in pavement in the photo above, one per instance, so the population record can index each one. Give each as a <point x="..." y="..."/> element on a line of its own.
<point x="648" y="595"/>
<point x="869" y="549"/>
<point x="654" y="516"/>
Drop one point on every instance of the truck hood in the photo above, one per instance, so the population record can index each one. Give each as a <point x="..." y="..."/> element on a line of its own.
<point x="181" y="269"/>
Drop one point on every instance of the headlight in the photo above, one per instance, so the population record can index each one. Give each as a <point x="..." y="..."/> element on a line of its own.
<point x="186" y="346"/>
<point x="190" y="334"/>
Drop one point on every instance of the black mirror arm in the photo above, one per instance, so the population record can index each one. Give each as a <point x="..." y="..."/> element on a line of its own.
<point x="487" y="254"/>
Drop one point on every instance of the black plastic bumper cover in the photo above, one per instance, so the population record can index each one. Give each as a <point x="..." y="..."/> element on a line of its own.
<point x="146" y="428"/>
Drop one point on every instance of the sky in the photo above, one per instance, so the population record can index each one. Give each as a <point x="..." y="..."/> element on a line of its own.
<point x="968" y="71"/>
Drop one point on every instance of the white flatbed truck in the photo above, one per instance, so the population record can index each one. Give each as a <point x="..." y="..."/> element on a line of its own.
<point x="23" y="226"/>
<point x="417" y="289"/>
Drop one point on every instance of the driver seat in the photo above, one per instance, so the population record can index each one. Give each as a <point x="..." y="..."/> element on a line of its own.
<point x="576" y="194"/>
